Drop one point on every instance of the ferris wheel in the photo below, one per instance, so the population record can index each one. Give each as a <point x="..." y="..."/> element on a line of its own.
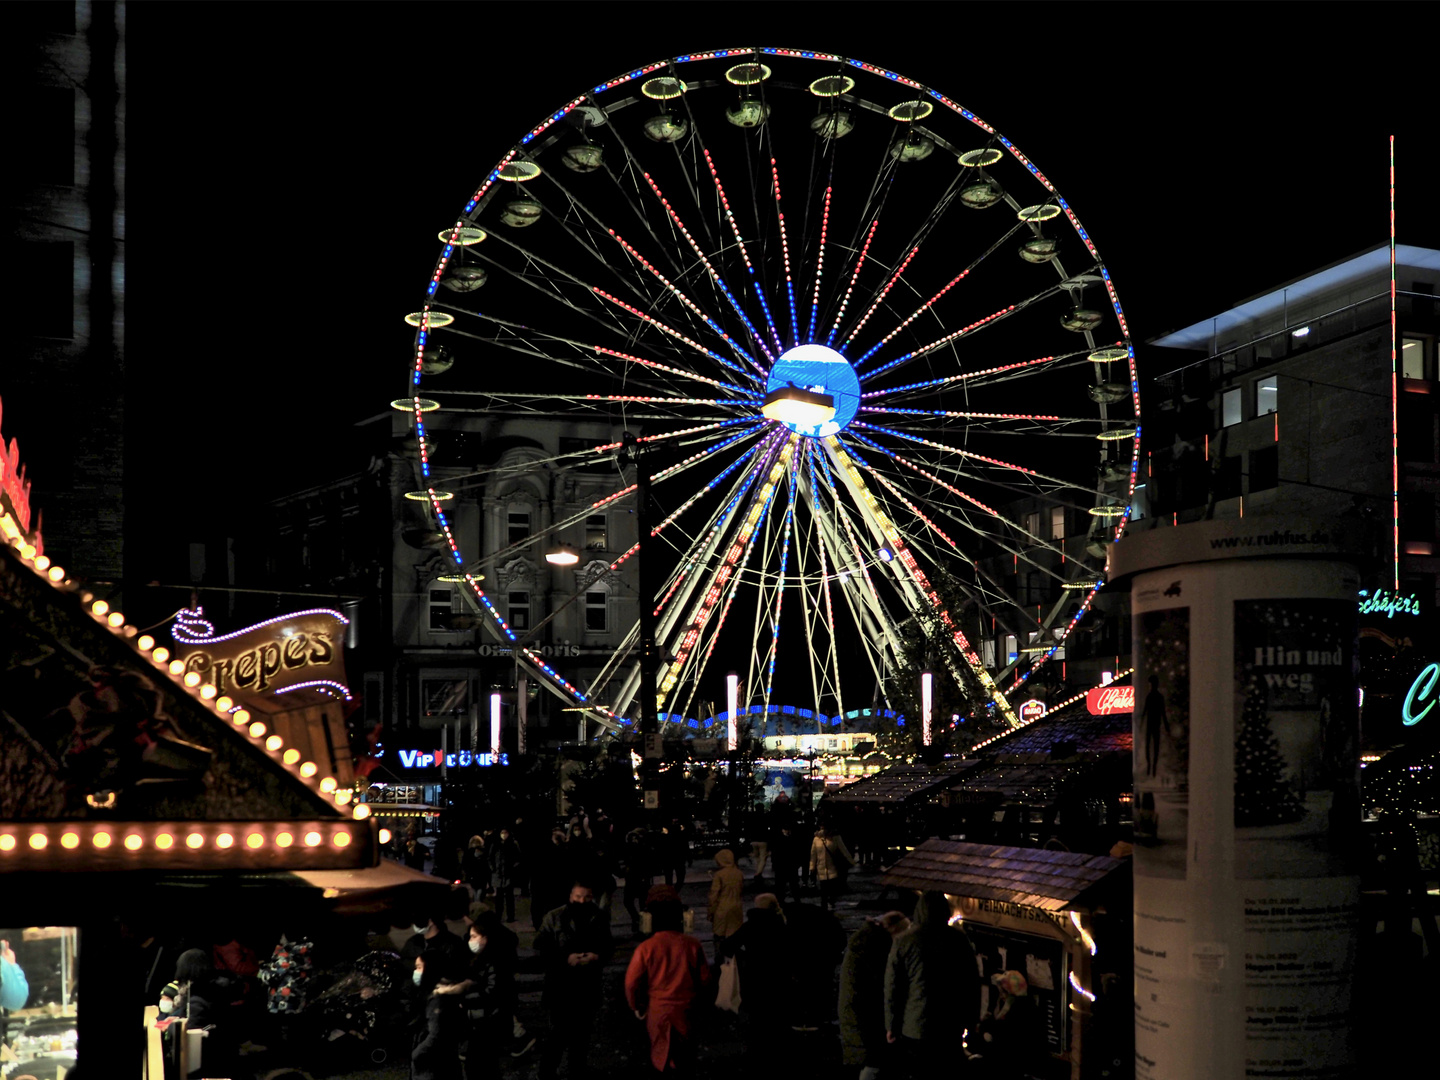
<point x="880" y="375"/>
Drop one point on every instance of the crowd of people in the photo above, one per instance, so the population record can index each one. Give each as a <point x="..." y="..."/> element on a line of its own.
<point x="442" y="993"/>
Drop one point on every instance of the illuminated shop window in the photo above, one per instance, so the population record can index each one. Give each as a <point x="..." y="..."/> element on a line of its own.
<point x="595" y="538"/>
<point x="1231" y="407"/>
<point x="1267" y="395"/>
<point x="1414" y="357"/>
<point x="1057" y="523"/>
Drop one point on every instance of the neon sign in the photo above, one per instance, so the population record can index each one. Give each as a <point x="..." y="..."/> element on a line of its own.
<point x="1031" y="710"/>
<point x="1389" y="604"/>
<point x="423" y="759"/>
<point x="1422" y="689"/>
<point x="1105" y="700"/>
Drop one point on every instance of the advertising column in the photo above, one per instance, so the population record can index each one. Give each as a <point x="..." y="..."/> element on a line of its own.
<point x="1247" y="812"/>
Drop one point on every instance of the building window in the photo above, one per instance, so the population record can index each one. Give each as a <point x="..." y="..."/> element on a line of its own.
<point x="1414" y="357"/>
<point x="1417" y="515"/>
<point x="1227" y="478"/>
<point x="518" y="615"/>
<point x="1012" y="651"/>
<point x="442" y="608"/>
<point x="1230" y="407"/>
<point x="519" y="527"/>
<point x="1267" y="395"/>
<point x="1140" y="503"/>
<point x="1032" y="524"/>
<point x="595" y="538"/>
<point x="583" y="452"/>
<point x="1265" y="467"/>
<point x="1416" y="434"/>
<point x="444" y="697"/>
<point x="1057" y="523"/>
<point x="596" y="605"/>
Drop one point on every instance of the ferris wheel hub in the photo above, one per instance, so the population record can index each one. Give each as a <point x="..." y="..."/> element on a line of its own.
<point x="820" y="370"/>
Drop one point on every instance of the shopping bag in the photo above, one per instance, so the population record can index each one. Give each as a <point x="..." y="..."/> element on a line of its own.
<point x="727" y="997"/>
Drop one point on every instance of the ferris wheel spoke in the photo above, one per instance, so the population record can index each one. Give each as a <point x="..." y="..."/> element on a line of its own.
<point x="690" y="304"/>
<point x="755" y="282"/>
<point x="854" y="277"/>
<point x="715" y="276"/>
<point x="929" y="304"/>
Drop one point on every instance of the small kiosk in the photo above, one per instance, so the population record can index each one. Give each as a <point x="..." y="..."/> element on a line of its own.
<point x="1048" y="915"/>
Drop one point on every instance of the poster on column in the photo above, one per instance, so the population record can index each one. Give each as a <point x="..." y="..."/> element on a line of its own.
<point x="1162" y="742"/>
<point x="1297" y="821"/>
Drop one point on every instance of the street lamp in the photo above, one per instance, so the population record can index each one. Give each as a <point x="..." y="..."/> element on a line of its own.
<point x="927" y="695"/>
<point x="732" y="705"/>
<point x="495" y="723"/>
<point x="563" y="555"/>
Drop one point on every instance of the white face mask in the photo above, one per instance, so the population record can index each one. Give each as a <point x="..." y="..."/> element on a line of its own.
<point x="417" y="976"/>
<point x="475" y="945"/>
<point x="166" y="1005"/>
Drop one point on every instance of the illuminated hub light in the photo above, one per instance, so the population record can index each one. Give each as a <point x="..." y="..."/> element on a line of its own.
<point x="417" y="404"/>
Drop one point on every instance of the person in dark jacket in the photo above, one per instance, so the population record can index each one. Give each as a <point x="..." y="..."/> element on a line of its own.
<point x="635" y="867"/>
<point x="475" y="866"/>
<point x="574" y="941"/>
<point x="861" y="1006"/>
<point x="932" y="990"/>
<point x="1012" y="1038"/>
<point x="816" y="942"/>
<point x="762" y="949"/>
<point x="505" y="873"/>
<point x="440" y="1029"/>
<point x="488" y="997"/>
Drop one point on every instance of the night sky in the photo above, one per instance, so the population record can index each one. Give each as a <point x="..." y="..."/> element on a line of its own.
<point x="289" y="167"/>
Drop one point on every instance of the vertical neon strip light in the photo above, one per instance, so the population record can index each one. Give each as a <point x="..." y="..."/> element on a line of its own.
<point x="732" y="703"/>
<point x="1394" y="387"/>
<point x="495" y="722"/>
<point x="927" y="699"/>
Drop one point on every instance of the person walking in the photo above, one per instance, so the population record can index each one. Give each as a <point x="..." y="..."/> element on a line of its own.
<point x="724" y="906"/>
<point x="574" y="942"/>
<point x="762" y="950"/>
<point x="861" y="1005"/>
<point x="506" y="873"/>
<point x="635" y="866"/>
<point x="830" y="862"/>
<point x="475" y="867"/>
<point x="785" y="859"/>
<point x="440" y="1029"/>
<point x="665" y="983"/>
<point x="932" y="991"/>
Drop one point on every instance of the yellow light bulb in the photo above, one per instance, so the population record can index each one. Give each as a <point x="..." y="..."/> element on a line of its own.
<point x="134" y="842"/>
<point x="291" y="756"/>
<point x="70" y="840"/>
<point x="160" y="655"/>
<point x="254" y="840"/>
<point x="38" y="841"/>
<point x="7" y="842"/>
<point x="327" y="785"/>
<point x="312" y="839"/>
<point x="342" y="839"/>
<point x="164" y="841"/>
<point x="274" y="742"/>
<point x="224" y="703"/>
<point x="284" y="839"/>
<point x="309" y="769"/>
<point x="385" y="835"/>
<point x="224" y="840"/>
<point x="362" y="811"/>
<point x="42" y="563"/>
<point x="146" y="643"/>
<point x="56" y="573"/>
<point x="192" y="678"/>
<point x="343" y="796"/>
<point x="99" y="607"/>
<point x="177" y="667"/>
<point x="256" y="729"/>
<point x="115" y="619"/>
<point x="208" y="691"/>
<point x="194" y="840"/>
<point x="101" y="840"/>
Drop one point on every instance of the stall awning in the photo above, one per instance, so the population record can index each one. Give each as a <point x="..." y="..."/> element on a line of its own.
<point x="375" y="888"/>
<point x="901" y="783"/>
<point x="1034" y="877"/>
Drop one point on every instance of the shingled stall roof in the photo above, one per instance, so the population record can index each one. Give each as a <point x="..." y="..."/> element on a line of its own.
<point x="1030" y="783"/>
<point x="1035" y="877"/>
<point x="903" y="782"/>
<point x="1074" y="734"/>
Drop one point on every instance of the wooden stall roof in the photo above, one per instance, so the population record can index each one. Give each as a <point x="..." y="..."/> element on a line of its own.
<point x="900" y="783"/>
<point x="1035" y="877"/>
<point x="1031" y="784"/>
<point x="1075" y="733"/>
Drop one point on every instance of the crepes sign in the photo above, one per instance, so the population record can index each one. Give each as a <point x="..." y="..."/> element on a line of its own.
<point x="303" y="649"/>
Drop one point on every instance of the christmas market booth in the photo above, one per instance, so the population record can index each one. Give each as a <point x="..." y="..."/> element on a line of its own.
<point x="153" y="794"/>
<point x="1056" y="917"/>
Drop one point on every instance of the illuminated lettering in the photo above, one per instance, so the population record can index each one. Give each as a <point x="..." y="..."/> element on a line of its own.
<point x="1422" y="689"/>
<point x="1389" y="604"/>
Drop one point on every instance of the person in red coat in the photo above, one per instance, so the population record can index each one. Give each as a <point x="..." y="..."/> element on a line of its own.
<point x="665" y="984"/>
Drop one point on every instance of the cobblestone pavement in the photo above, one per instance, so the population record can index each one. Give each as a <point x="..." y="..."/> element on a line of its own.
<point x="619" y="1048"/>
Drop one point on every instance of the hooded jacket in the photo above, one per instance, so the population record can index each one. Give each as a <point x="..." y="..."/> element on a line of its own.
<point x="726" y="911"/>
<point x="932" y="982"/>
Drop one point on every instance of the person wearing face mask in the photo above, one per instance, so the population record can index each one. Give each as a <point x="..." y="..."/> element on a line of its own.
<point x="574" y="941"/>
<point x="505" y="873"/>
<point x="440" y="1029"/>
<point x="488" y="998"/>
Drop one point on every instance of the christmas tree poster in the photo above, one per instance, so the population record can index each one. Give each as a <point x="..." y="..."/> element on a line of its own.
<point x="1295" y="737"/>
<point x="1162" y="741"/>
